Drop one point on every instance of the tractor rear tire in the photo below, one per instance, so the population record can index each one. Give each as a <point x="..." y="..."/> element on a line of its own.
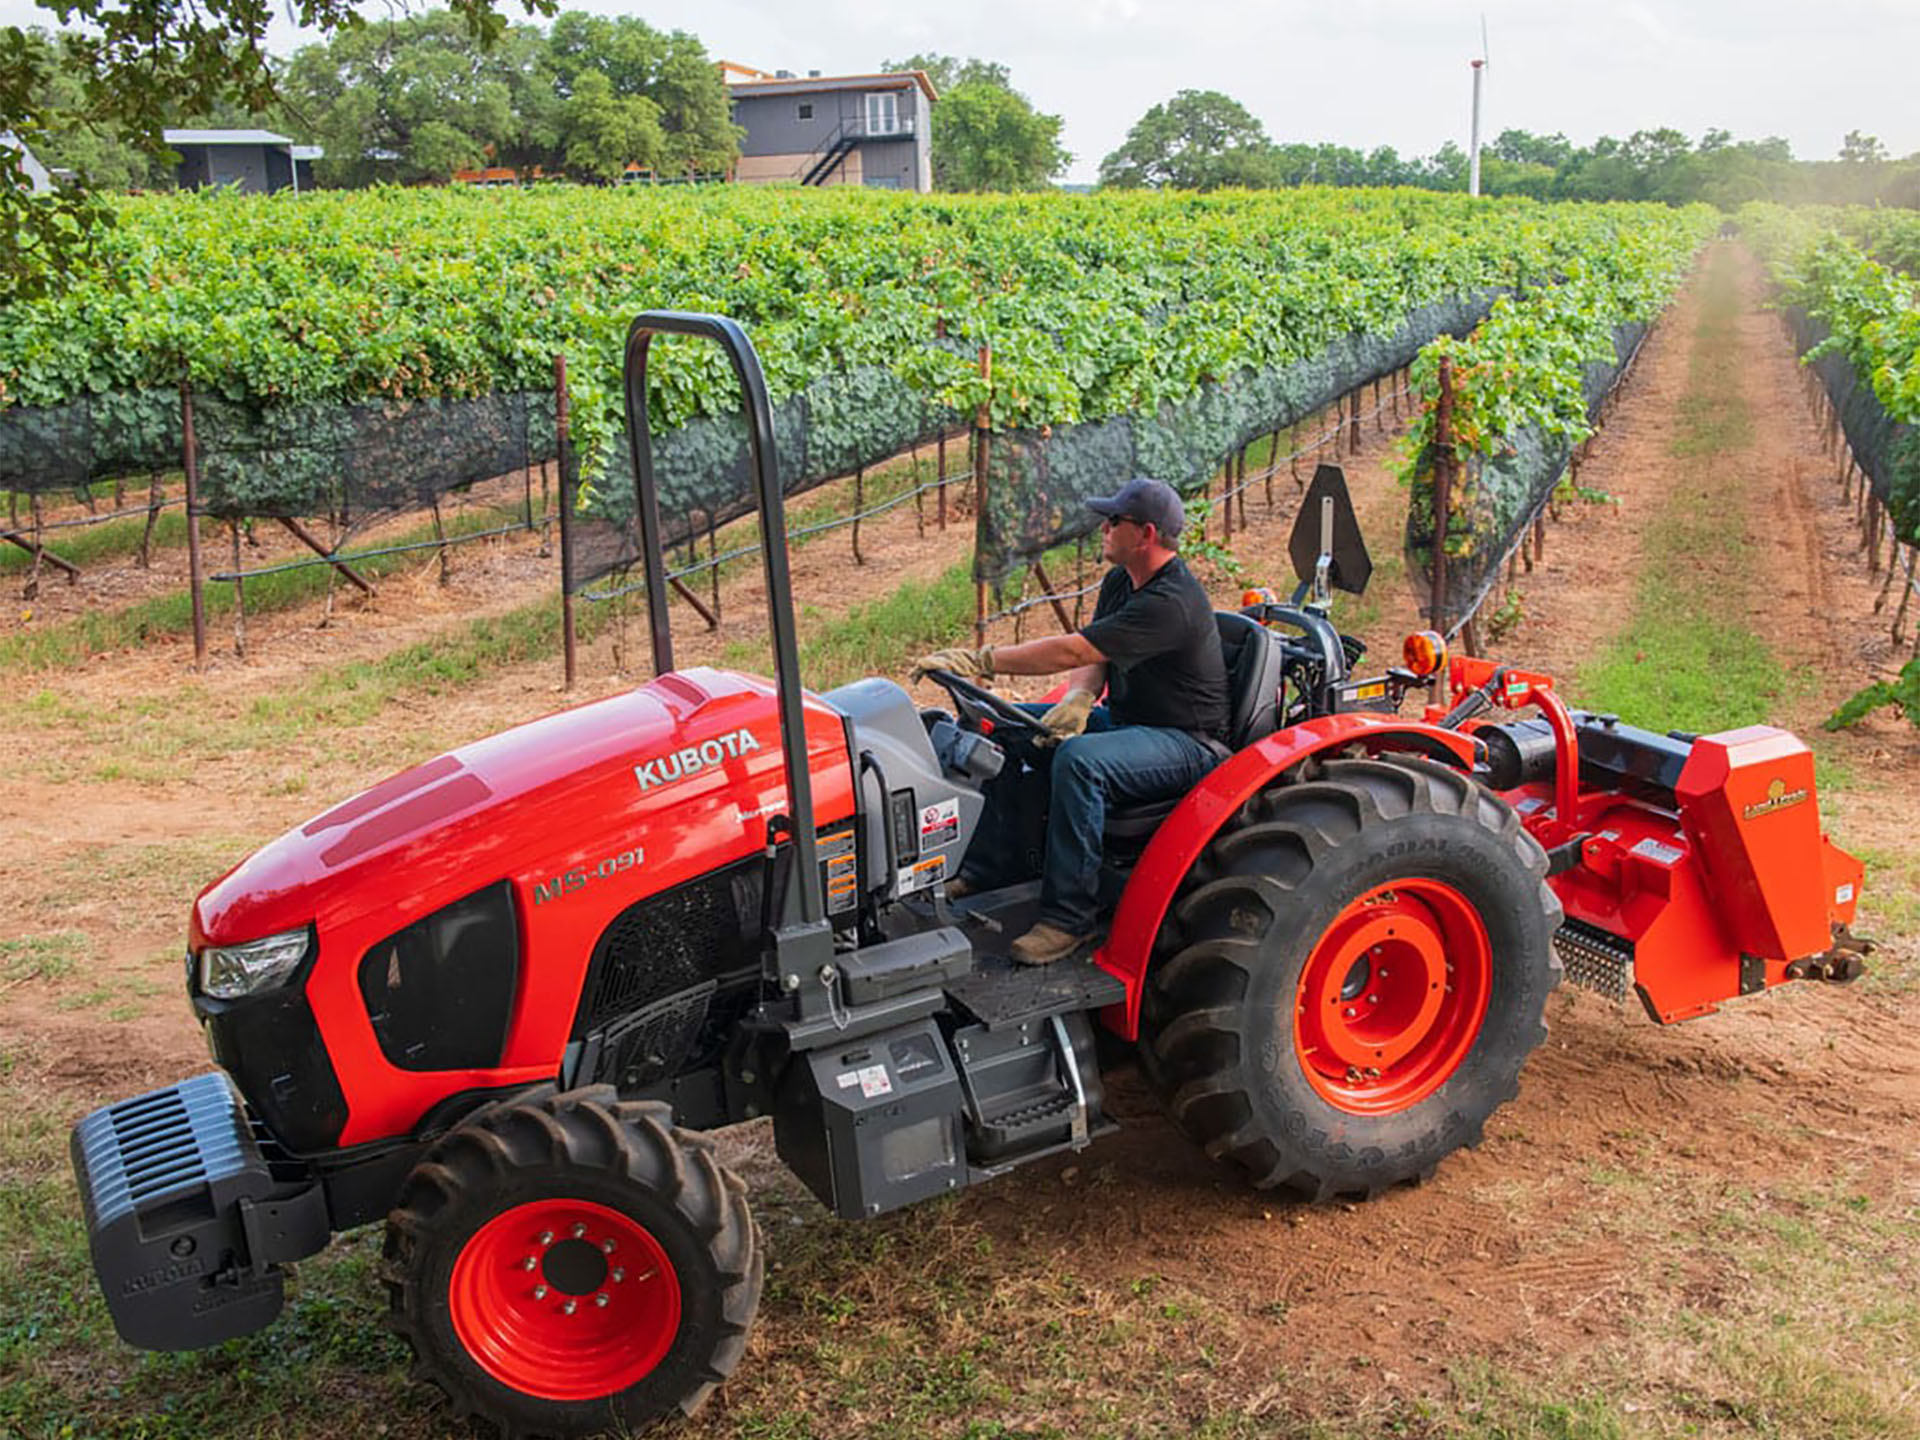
<point x="1352" y="976"/>
<point x="566" y="1264"/>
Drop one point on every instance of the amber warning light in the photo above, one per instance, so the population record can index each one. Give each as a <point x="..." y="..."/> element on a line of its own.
<point x="1425" y="653"/>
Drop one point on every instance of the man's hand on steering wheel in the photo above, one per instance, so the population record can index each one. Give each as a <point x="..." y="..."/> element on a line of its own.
<point x="967" y="664"/>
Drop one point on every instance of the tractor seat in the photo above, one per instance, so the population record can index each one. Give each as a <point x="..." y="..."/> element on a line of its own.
<point x="1255" y="656"/>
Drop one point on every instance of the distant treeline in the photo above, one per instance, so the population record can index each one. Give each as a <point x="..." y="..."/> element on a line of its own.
<point x="1203" y="140"/>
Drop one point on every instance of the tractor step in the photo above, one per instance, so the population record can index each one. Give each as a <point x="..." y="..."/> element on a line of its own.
<point x="1596" y="959"/>
<point x="1001" y="995"/>
<point x="1041" y="1120"/>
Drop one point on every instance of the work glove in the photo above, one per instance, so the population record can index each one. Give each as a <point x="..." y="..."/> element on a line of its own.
<point x="967" y="664"/>
<point x="1066" y="719"/>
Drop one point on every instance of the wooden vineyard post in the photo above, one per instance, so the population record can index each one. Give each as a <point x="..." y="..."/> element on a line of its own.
<point x="1442" y="490"/>
<point x="190" y="459"/>
<point x="153" y="518"/>
<point x="1293" y="455"/>
<point x="39" y="549"/>
<point x="1226" y="502"/>
<point x="1353" y="415"/>
<point x="440" y="534"/>
<point x="239" y="595"/>
<point x="859" y="504"/>
<point x="940" y="476"/>
<point x="1053" y="598"/>
<point x="982" y="419"/>
<point x="568" y="643"/>
<point x="713" y="569"/>
<point x="307" y="538"/>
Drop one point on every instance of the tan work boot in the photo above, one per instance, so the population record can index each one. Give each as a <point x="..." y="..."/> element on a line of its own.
<point x="1044" y="944"/>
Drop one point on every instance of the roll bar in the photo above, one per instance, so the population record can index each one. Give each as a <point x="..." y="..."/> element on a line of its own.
<point x="812" y="939"/>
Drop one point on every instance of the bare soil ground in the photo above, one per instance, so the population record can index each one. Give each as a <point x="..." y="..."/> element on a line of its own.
<point x="1671" y="1231"/>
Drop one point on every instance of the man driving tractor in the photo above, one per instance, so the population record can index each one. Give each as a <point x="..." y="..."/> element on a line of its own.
<point x="1153" y="648"/>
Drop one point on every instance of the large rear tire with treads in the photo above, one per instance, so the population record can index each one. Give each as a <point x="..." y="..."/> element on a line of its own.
<point x="1352" y="977"/>
<point x="569" y="1264"/>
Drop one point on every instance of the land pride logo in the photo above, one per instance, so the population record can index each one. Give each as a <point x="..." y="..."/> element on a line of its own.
<point x="1778" y="798"/>
<point x="664" y="769"/>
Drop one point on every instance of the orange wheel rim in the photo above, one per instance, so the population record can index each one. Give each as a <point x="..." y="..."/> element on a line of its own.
<point x="1393" y="997"/>
<point x="565" y="1300"/>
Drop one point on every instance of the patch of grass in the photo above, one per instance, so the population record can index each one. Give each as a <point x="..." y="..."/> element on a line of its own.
<point x="46" y="957"/>
<point x="1682" y="661"/>
<point x="109" y="540"/>
<point x="71" y="642"/>
<point x="871" y="638"/>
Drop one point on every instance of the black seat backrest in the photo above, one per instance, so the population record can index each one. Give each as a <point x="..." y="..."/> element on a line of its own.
<point x="1255" y="656"/>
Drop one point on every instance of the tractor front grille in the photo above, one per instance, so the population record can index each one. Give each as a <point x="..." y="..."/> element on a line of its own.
<point x="1596" y="959"/>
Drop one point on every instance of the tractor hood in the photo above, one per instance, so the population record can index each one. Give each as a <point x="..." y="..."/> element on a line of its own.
<point x="688" y="765"/>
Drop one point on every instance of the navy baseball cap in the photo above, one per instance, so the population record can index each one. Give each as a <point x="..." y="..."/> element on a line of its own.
<point x="1151" y="502"/>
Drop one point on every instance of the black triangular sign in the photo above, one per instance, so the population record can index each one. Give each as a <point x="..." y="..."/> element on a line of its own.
<point x="1352" y="567"/>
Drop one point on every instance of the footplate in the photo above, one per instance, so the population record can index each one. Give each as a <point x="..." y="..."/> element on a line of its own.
<point x="1596" y="959"/>
<point x="185" y="1219"/>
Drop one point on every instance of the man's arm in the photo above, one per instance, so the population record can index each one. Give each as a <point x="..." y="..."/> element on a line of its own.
<point x="1051" y="654"/>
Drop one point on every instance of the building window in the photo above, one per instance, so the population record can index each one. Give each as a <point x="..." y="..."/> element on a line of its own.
<point x="883" y="113"/>
<point x="806" y="110"/>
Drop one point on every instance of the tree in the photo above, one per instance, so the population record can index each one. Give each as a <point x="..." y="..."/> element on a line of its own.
<point x="671" y="71"/>
<point x="1858" y="149"/>
<point x="950" y="73"/>
<point x="605" y="132"/>
<point x="986" y="134"/>
<point x="1198" y="140"/>
<point x="417" y="99"/>
<point x="138" y="65"/>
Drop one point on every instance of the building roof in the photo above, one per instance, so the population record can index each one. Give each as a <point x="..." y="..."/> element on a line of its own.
<point x="224" y="137"/>
<point x="813" y="84"/>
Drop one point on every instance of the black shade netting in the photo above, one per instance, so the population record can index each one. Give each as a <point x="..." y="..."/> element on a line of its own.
<point x="50" y="448"/>
<point x="1038" y="481"/>
<point x="703" y="469"/>
<point x="355" y="462"/>
<point x="1888" y="450"/>
<point x="1495" y="499"/>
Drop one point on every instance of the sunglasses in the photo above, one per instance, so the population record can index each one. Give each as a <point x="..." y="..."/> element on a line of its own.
<point x="1108" y="522"/>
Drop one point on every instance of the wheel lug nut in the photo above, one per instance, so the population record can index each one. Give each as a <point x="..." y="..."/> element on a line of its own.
<point x="568" y="1308"/>
<point x="1373" y="999"/>
<point x="539" y="1292"/>
<point x="578" y="1231"/>
<point x="618" y="1275"/>
<point x="601" y="1299"/>
<point x="546" y="1237"/>
<point x="1350" y="1012"/>
<point x="528" y="1263"/>
<point x="606" y="1247"/>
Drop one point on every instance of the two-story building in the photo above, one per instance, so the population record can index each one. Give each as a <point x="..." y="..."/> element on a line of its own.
<point x="833" y="130"/>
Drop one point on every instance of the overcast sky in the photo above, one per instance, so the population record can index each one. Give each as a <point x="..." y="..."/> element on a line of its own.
<point x="1362" y="72"/>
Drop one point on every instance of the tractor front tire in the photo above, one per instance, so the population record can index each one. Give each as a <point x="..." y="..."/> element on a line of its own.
<point x="568" y="1264"/>
<point x="1352" y="976"/>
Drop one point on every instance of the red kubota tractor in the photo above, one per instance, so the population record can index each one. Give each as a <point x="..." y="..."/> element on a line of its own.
<point x="494" y="1000"/>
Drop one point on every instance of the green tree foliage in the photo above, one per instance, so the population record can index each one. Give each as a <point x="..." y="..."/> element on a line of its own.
<point x="606" y="132"/>
<point x="670" y="71"/>
<point x="417" y="99"/>
<point x="138" y="68"/>
<point x="1198" y="140"/>
<point x="986" y="134"/>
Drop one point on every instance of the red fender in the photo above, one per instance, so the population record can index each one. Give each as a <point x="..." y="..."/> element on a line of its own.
<point x="1188" y="830"/>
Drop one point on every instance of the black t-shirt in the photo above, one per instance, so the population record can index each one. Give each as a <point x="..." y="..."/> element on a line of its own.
<point x="1164" y="665"/>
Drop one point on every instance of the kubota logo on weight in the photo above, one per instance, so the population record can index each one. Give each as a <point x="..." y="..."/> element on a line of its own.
<point x="665" y="769"/>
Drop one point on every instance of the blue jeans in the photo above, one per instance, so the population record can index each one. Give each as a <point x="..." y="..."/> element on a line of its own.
<point x="1108" y="764"/>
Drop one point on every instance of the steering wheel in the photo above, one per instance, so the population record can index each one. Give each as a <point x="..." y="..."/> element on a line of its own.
<point x="977" y="702"/>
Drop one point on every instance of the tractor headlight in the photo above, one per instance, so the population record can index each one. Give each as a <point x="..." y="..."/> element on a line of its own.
<point x="229" y="972"/>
